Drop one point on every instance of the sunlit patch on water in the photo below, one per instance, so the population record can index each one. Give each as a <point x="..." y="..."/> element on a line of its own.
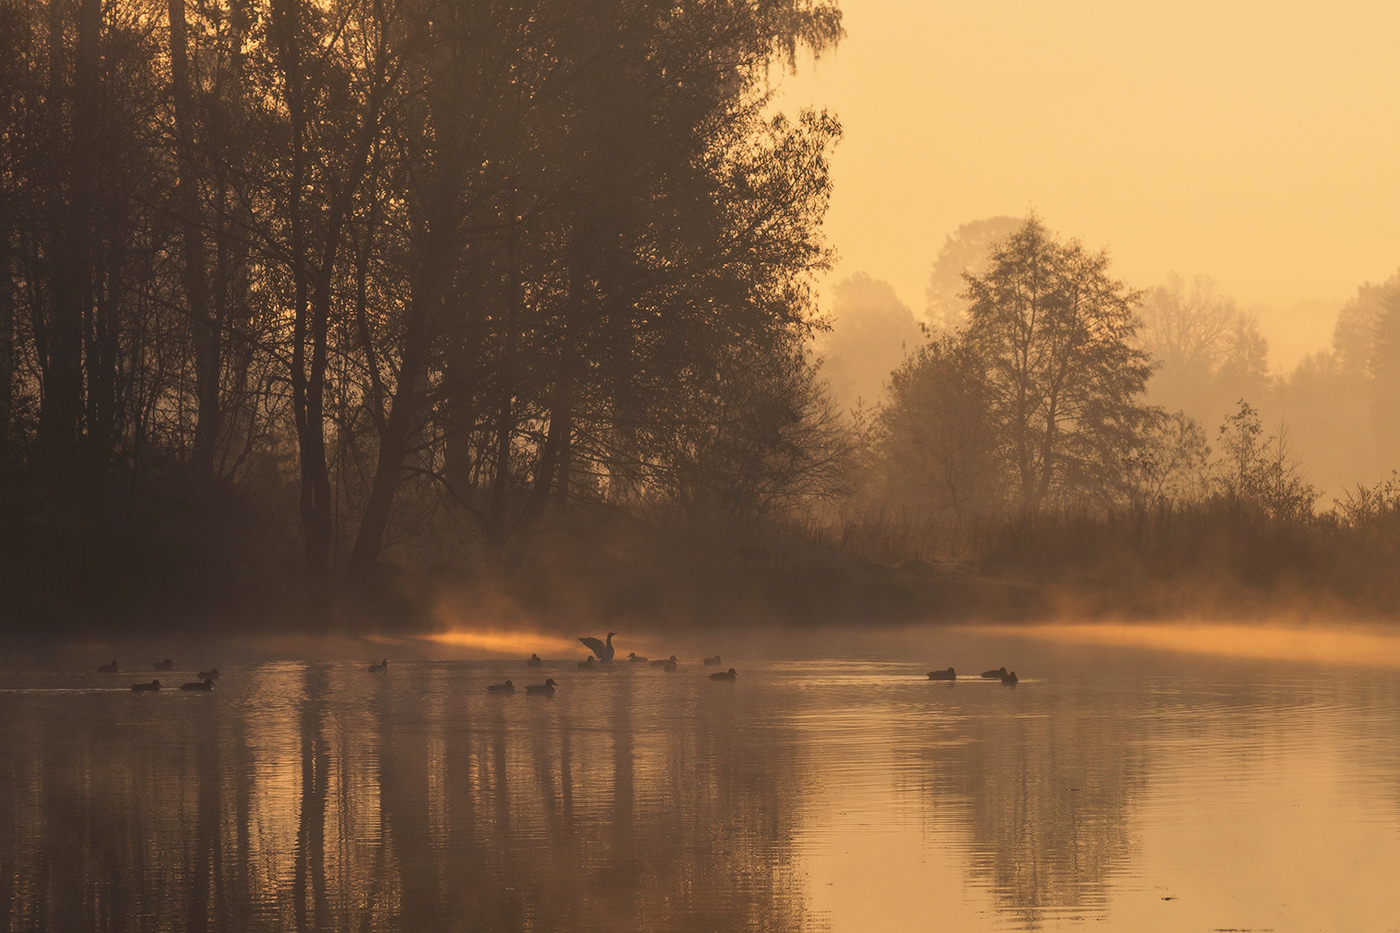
<point x="1359" y="646"/>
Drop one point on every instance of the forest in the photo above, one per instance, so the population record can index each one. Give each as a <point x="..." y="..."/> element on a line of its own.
<point x="321" y="314"/>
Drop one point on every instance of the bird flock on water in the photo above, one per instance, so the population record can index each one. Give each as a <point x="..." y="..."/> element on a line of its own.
<point x="601" y="659"/>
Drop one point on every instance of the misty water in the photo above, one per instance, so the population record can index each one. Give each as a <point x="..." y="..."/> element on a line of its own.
<point x="1109" y="788"/>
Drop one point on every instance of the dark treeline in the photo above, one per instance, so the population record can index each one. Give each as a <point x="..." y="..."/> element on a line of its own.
<point x="284" y="285"/>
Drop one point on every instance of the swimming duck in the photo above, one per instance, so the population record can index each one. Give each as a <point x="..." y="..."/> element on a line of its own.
<point x="588" y="665"/>
<point x="997" y="673"/>
<point x="211" y="674"/>
<point x="949" y="674"/>
<point x="635" y="658"/>
<point x="712" y="662"/>
<point x="545" y="689"/>
<point x="662" y="662"/>
<point x="206" y="685"/>
<point x="108" y="668"/>
<point x="139" y="688"/>
<point x="670" y="665"/>
<point x="506" y="687"/>
<point x="730" y="675"/>
<point x="1009" y="679"/>
<point x="166" y="665"/>
<point x="534" y="661"/>
<point x="604" y="652"/>
<point x="379" y="668"/>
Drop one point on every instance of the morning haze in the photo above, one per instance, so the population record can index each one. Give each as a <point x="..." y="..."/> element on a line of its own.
<point x="734" y="465"/>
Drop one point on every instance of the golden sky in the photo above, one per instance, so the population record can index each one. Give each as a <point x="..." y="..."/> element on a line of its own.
<point x="1256" y="142"/>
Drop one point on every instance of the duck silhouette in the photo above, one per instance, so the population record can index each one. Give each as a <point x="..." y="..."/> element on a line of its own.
<point x="534" y="661"/>
<point x="730" y="675"/>
<point x="506" y="687"/>
<point x="108" y="668"/>
<point x="166" y="665"/>
<point x="379" y="668"/>
<point x="713" y="662"/>
<point x="949" y="674"/>
<point x="545" y="689"/>
<point x="603" y="651"/>
<point x="588" y="665"/>
<point x="204" y="685"/>
<point x="1009" y="679"/>
<point x="997" y="673"/>
<point x="142" y="688"/>
<point x="211" y="674"/>
<point x="670" y="665"/>
<point x="635" y="658"/>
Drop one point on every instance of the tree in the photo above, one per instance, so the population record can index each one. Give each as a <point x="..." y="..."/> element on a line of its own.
<point x="1259" y="471"/>
<point x="871" y="332"/>
<point x="1054" y="334"/>
<point x="932" y="437"/>
<point x="966" y="249"/>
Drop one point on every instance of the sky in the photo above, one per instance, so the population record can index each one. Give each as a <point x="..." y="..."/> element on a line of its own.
<point x="1258" y="143"/>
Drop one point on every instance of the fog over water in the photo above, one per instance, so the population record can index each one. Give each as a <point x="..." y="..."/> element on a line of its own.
<point x="1148" y="789"/>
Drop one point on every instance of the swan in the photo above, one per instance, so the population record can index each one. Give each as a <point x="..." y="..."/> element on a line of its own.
<point x="206" y="685"/>
<point x="996" y="673"/>
<point x="545" y="689"/>
<point x="949" y="674"/>
<point x="506" y="687"/>
<point x="604" y="652"/>
<point x="139" y="688"/>
<point x="730" y="675"/>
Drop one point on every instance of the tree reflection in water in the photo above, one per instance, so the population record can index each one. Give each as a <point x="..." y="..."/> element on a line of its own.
<point x="312" y="796"/>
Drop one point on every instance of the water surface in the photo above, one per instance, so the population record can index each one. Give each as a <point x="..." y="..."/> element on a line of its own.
<point x="1102" y="791"/>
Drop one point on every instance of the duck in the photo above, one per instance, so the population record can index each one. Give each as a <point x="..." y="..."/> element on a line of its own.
<point x="635" y="658"/>
<point x="603" y="651"/>
<point x="670" y="665"/>
<point x="1000" y="672"/>
<point x="205" y="685"/>
<point x="211" y="674"/>
<point x="166" y="665"/>
<point x="588" y="665"/>
<point x="141" y="688"/>
<point x="730" y="675"/>
<point x="662" y="662"/>
<point x="1009" y="679"/>
<point x="534" y="661"/>
<point x="379" y="668"/>
<point x="713" y="662"/>
<point x="506" y="687"/>
<point x="108" y="668"/>
<point x="949" y="674"/>
<point x="545" y="689"/>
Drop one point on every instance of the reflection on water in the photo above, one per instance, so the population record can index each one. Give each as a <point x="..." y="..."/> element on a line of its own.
<point x="842" y="795"/>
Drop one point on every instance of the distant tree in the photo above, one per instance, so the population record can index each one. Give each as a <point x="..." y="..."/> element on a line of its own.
<point x="966" y="249"/>
<point x="932" y="438"/>
<point x="1261" y="471"/>
<point x="1170" y="466"/>
<point x="1209" y="353"/>
<point x="871" y="332"/>
<point x="1054" y="335"/>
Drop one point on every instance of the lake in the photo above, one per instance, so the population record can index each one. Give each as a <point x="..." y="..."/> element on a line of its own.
<point x="1112" y="788"/>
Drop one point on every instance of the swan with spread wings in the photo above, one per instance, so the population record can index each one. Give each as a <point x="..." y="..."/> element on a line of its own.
<point x="603" y="651"/>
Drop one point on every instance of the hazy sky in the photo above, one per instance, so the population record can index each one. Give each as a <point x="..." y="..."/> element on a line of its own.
<point x="1255" y="142"/>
